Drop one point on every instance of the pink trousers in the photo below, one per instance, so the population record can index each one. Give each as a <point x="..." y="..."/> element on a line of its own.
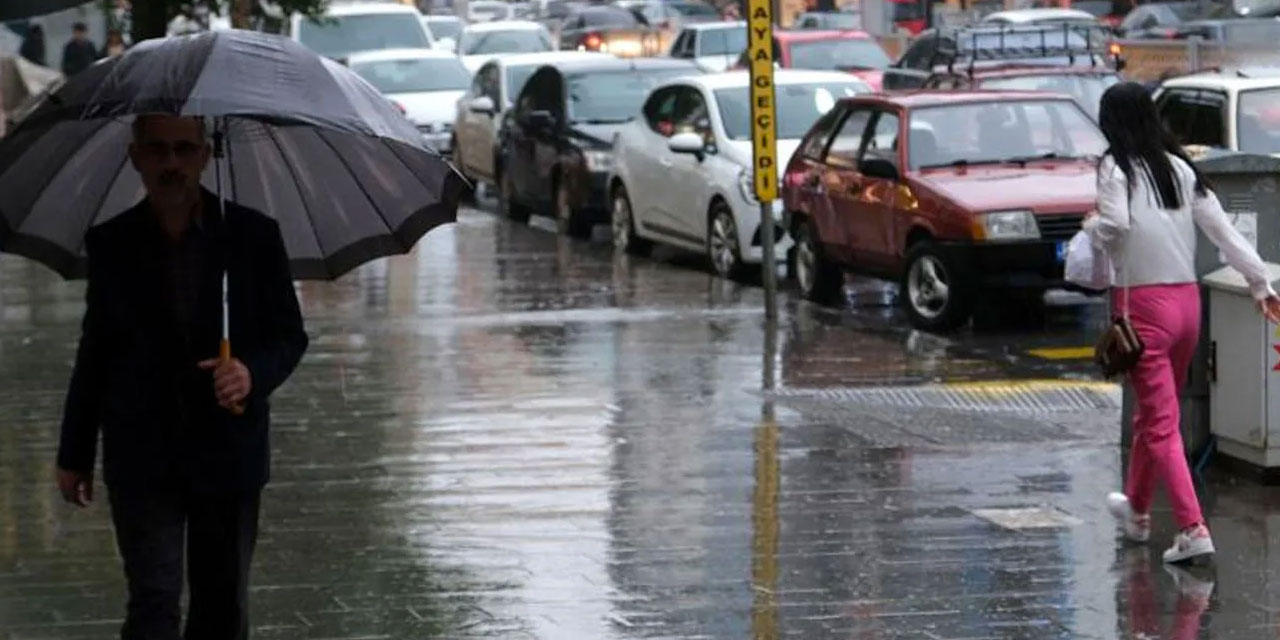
<point x="1167" y="317"/>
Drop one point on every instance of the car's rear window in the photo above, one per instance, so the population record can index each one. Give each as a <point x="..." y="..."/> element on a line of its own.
<point x="441" y="29"/>
<point x="613" y="96"/>
<point x="339" y="37"/>
<point x="1251" y="32"/>
<point x="505" y="41"/>
<point x="798" y="106"/>
<point x="693" y="9"/>
<point x="415" y="75"/>
<point x="1087" y="89"/>
<point x="843" y="54"/>
<point x="608" y="17"/>
<point x="729" y="41"/>
<point x="1258" y="124"/>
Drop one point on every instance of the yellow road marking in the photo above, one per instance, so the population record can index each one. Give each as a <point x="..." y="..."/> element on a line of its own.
<point x="1063" y="353"/>
<point x="1022" y="386"/>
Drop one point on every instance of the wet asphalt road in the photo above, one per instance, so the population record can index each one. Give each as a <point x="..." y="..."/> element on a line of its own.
<point x="512" y="435"/>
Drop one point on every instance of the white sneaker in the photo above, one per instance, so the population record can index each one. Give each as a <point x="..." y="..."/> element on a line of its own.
<point x="1136" y="526"/>
<point x="1189" y="545"/>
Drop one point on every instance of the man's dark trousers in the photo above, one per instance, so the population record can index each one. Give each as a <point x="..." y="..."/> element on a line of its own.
<point x="218" y="532"/>
<point x="181" y="471"/>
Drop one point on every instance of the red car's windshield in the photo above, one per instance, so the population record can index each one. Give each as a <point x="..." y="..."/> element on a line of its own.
<point x="994" y="132"/>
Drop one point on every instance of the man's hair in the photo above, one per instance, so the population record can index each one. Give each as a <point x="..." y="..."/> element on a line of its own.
<point x="140" y="122"/>
<point x="79" y="26"/>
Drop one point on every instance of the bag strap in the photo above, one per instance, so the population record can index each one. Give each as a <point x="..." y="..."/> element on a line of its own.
<point x="1125" y="267"/>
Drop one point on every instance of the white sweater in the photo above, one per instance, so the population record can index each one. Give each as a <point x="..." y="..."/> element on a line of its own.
<point x="1159" y="245"/>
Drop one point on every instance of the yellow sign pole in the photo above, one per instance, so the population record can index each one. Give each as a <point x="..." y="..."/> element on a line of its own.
<point x="764" y="139"/>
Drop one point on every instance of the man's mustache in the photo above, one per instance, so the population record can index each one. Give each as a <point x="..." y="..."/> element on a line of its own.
<point x="172" y="178"/>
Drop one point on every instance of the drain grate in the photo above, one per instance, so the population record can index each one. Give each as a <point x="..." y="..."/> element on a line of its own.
<point x="1038" y="396"/>
<point x="1027" y="518"/>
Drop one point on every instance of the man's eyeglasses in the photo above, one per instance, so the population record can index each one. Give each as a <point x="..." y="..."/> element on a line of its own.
<point x="180" y="150"/>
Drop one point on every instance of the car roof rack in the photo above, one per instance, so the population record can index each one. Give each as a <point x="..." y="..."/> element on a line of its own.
<point x="988" y="44"/>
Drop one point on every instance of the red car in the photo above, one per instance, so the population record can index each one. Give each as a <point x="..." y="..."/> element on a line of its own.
<point x="852" y="51"/>
<point x="952" y="194"/>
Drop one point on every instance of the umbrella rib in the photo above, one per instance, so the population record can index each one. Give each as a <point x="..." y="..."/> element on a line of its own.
<point x="358" y="181"/>
<point x="53" y="175"/>
<point x="406" y="165"/>
<point x="231" y="169"/>
<point x="306" y="210"/>
<point x="97" y="210"/>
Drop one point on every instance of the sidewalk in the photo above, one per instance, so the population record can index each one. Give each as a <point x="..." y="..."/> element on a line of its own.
<point x="512" y="436"/>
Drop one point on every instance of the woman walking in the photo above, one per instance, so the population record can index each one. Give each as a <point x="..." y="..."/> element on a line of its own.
<point x="1150" y="200"/>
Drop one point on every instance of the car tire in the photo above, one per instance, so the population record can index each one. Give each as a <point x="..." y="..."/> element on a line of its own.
<point x="724" y="254"/>
<point x="934" y="289"/>
<point x="510" y="209"/>
<point x="623" y="226"/>
<point x="569" y="221"/>
<point x="820" y="279"/>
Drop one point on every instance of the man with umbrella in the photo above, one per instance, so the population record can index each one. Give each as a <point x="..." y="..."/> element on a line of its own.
<point x="185" y="450"/>
<point x="322" y="174"/>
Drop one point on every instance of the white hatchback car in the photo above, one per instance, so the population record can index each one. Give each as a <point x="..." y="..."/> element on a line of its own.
<point x="349" y="27"/>
<point x="682" y="170"/>
<point x="1238" y="111"/>
<point x="480" y="43"/>
<point x="480" y="111"/>
<point x="423" y="83"/>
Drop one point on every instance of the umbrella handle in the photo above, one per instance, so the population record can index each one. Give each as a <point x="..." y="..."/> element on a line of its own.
<point x="224" y="354"/>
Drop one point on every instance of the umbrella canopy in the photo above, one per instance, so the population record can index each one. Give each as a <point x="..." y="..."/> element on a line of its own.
<point x="17" y="9"/>
<point x="310" y="144"/>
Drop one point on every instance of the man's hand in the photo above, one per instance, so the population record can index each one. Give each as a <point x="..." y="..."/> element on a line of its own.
<point x="76" y="486"/>
<point x="231" y="381"/>
<point x="1270" y="307"/>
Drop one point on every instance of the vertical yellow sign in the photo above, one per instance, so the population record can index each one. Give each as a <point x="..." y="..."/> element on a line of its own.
<point x="763" y="123"/>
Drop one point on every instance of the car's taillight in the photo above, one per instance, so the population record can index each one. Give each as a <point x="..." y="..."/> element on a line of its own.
<point x="592" y="42"/>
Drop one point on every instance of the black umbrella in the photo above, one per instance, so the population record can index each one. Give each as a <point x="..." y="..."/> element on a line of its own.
<point x="307" y="142"/>
<point x="17" y="9"/>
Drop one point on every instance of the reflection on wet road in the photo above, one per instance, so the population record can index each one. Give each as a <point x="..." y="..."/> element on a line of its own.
<point x="510" y="435"/>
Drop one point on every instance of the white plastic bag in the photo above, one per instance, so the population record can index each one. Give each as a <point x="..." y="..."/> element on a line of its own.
<point x="1086" y="266"/>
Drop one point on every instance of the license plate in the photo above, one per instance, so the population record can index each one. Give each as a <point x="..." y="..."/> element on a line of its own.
<point x="1061" y="250"/>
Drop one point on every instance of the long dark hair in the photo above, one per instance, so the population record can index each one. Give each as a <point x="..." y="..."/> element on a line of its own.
<point x="1138" y="140"/>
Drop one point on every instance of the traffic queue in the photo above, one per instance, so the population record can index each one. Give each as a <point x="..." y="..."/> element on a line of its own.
<point x="962" y="168"/>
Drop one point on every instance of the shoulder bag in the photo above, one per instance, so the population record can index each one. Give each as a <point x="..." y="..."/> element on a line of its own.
<point x="1118" y="350"/>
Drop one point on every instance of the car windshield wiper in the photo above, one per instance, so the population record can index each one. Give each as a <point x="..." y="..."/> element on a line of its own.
<point x="856" y="67"/>
<point x="1052" y="155"/>
<point x="601" y="121"/>
<point x="957" y="163"/>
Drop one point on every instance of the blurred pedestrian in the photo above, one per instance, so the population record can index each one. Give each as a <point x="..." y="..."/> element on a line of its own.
<point x="33" y="48"/>
<point x="184" y="433"/>
<point x="1151" y="198"/>
<point x="80" y="51"/>
<point x="730" y="12"/>
<point x="114" y="45"/>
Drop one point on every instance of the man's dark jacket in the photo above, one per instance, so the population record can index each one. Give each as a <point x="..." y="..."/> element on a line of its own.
<point x="135" y="372"/>
<point x="77" y="56"/>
